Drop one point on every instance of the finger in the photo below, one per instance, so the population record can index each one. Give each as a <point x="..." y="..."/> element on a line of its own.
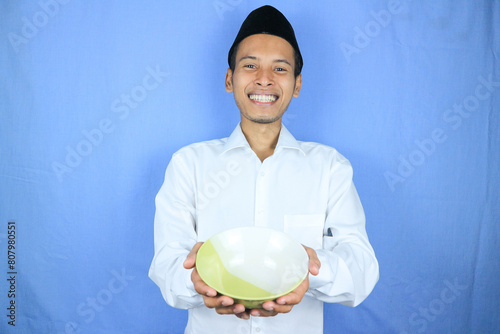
<point x="283" y="308"/>
<point x="201" y="287"/>
<point x="237" y="309"/>
<point x="191" y="257"/>
<point x="218" y="302"/>
<point x="264" y="313"/>
<point x="293" y="297"/>
<point x="269" y="306"/>
<point x="224" y="310"/>
<point x="243" y="315"/>
<point x="272" y="306"/>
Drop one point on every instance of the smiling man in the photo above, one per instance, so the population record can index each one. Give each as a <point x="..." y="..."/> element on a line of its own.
<point x="262" y="176"/>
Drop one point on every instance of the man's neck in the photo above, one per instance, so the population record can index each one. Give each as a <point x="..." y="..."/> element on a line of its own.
<point x="261" y="137"/>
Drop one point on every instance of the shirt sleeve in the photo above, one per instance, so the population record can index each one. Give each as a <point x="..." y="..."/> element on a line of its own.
<point x="175" y="236"/>
<point x="349" y="269"/>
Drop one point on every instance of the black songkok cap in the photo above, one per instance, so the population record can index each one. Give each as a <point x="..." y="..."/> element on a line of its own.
<point x="267" y="20"/>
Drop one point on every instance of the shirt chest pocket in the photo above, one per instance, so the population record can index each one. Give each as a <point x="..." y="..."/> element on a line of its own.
<point x="306" y="229"/>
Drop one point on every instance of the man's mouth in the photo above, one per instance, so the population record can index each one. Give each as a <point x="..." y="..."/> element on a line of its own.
<point x="263" y="98"/>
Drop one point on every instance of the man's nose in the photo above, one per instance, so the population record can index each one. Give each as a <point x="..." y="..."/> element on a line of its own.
<point x="264" y="78"/>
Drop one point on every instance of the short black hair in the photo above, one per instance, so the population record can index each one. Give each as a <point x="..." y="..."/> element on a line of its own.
<point x="296" y="70"/>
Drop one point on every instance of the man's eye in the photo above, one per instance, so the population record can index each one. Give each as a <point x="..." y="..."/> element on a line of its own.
<point x="249" y="66"/>
<point x="280" y="69"/>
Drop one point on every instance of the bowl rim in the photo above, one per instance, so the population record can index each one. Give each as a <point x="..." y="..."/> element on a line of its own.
<point x="270" y="297"/>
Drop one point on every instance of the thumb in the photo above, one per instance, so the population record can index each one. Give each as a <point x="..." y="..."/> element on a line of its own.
<point x="190" y="260"/>
<point x="314" y="262"/>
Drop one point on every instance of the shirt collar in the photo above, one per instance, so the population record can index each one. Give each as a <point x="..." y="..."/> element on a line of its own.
<point x="237" y="139"/>
<point x="287" y="140"/>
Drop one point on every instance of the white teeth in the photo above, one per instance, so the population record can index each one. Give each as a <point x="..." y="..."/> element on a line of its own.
<point x="263" y="98"/>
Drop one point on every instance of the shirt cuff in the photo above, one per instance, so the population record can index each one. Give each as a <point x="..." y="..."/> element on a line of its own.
<point x="189" y="282"/>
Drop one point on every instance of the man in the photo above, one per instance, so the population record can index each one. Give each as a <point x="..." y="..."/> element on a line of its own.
<point x="262" y="176"/>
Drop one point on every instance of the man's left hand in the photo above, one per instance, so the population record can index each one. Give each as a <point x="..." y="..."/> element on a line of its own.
<point x="284" y="304"/>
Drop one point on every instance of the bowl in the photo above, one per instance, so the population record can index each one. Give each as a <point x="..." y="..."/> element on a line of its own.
<point x="252" y="265"/>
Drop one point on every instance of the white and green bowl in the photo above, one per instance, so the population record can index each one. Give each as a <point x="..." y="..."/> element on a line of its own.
<point x="252" y="264"/>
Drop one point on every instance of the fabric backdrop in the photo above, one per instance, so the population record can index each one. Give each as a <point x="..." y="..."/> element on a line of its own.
<point x="96" y="96"/>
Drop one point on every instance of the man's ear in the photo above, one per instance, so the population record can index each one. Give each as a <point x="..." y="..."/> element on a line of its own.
<point x="229" y="81"/>
<point x="298" y="85"/>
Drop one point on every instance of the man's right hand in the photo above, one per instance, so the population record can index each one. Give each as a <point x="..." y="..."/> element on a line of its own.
<point x="221" y="304"/>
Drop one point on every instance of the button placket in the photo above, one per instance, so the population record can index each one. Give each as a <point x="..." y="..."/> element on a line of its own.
<point x="256" y="325"/>
<point x="260" y="196"/>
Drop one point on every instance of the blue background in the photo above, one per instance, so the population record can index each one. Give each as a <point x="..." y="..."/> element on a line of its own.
<point x="86" y="132"/>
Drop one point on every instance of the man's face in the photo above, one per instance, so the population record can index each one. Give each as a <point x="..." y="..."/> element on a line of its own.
<point x="263" y="81"/>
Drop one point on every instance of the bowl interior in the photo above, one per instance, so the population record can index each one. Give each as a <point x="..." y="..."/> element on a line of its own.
<point x="252" y="263"/>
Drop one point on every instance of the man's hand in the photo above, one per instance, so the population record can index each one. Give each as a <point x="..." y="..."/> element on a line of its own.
<point x="222" y="304"/>
<point x="225" y="304"/>
<point x="284" y="304"/>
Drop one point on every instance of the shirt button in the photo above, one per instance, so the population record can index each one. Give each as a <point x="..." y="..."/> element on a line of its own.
<point x="257" y="329"/>
<point x="262" y="174"/>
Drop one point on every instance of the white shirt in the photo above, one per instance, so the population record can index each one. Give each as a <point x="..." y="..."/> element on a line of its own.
<point x="304" y="189"/>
